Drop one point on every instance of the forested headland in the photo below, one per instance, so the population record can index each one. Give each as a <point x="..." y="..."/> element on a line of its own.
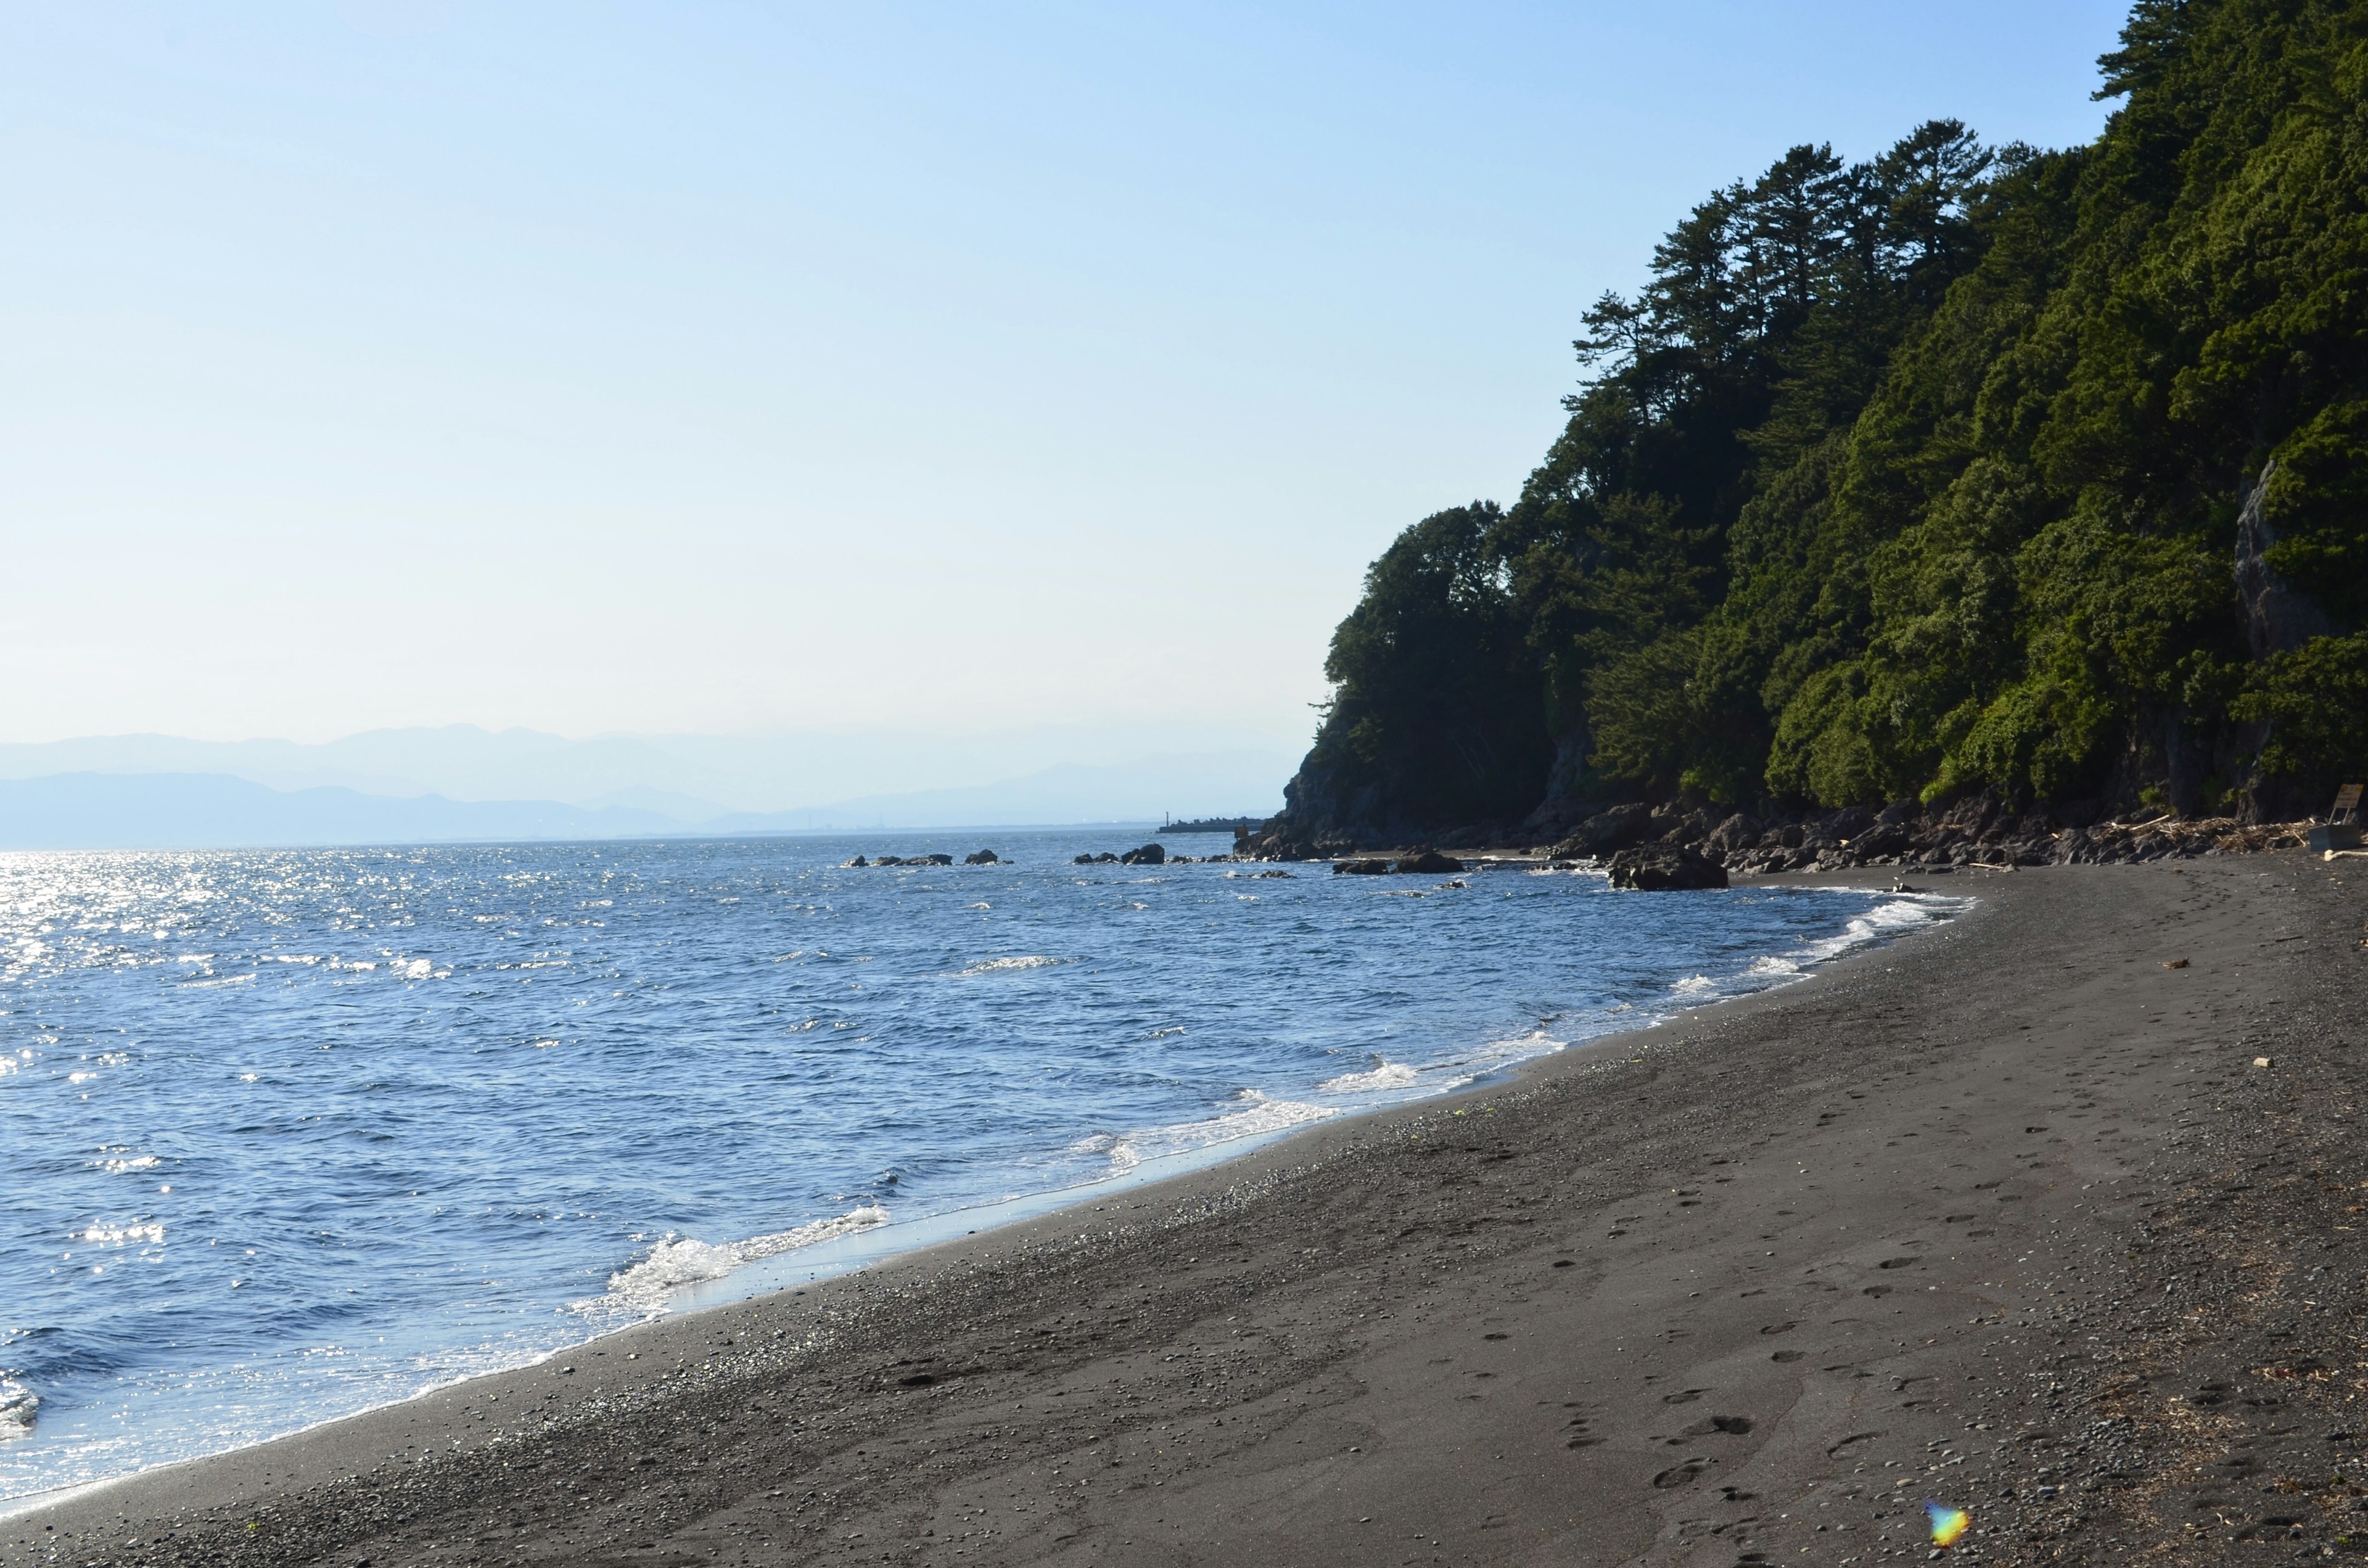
<point x="1966" y="470"/>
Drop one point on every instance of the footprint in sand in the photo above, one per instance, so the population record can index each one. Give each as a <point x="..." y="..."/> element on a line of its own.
<point x="1679" y="1475"/>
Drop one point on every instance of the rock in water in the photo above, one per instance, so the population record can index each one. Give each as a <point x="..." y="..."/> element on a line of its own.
<point x="1428" y="863"/>
<point x="1149" y="855"/>
<point x="858" y="861"/>
<point x="1663" y="867"/>
<point x="1361" y="868"/>
<point x="983" y="857"/>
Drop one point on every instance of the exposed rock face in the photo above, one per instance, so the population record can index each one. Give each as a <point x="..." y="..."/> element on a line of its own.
<point x="1607" y="831"/>
<point x="1149" y="854"/>
<point x="2277" y="619"/>
<point x="1664" y="868"/>
<point x="981" y="857"/>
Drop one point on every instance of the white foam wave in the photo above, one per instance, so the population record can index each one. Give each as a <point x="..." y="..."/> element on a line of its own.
<point x="1884" y="920"/>
<point x="1257" y="1116"/>
<point x="993" y="966"/>
<point x="1694" y="985"/>
<point x="684" y="1260"/>
<point x="19" y="1407"/>
<point x="1388" y="1075"/>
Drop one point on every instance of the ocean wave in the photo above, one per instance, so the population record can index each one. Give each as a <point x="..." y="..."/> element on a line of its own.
<point x="1257" y="1116"/>
<point x="1883" y="921"/>
<point x="995" y="966"/>
<point x="19" y="1407"/>
<point x="684" y="1260"/>
<point x="1388" y="1075"/>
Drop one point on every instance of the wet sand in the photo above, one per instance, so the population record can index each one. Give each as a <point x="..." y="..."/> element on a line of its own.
<point x="2002" y="1214"/>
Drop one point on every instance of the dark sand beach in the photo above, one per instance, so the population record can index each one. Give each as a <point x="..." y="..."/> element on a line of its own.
<point x="2003" y="1215"/>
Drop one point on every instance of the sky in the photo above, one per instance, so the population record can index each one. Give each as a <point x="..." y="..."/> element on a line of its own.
<point x="636" y="368"/>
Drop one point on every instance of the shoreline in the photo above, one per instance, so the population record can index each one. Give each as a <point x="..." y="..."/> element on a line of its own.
<point x="873" y="1247"/>
<point x="1215" y="1333"/>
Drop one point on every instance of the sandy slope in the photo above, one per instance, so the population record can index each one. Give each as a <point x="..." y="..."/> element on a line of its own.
<point x="2002" y="1215"/>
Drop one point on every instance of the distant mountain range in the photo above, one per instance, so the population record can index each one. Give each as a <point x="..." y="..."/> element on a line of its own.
<point x="1143" y="768"/>
<point x="143" y="809"/>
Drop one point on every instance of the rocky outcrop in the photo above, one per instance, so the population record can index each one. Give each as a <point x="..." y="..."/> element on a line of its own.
<point x="1428" y="863"/>
<point x="2277" y="619"/>
<point x="1607" y="831"/>
<point x="1145" y="855"/>
<point x="1665" y="868"/>
<point x="1361" y="868"/>
<point x="981" y="857"/>
<point x="1972" y="831"/>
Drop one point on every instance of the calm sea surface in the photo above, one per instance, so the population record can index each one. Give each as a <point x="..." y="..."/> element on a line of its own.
<point x="287" y="1134"/>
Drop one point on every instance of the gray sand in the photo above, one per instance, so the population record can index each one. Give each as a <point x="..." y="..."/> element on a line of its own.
<point x="2001" y="1215"/>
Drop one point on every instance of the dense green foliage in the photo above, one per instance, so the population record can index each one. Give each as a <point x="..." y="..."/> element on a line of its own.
<point x="1924" y="475"/>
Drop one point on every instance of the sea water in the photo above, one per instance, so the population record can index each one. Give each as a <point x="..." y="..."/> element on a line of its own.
<point x="290" y="1134"/>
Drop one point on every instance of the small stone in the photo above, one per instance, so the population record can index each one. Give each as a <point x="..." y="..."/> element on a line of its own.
<point x="2264" y="1061"/>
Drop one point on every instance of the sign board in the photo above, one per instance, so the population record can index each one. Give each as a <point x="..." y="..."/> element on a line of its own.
<point x="2347" y="797"/>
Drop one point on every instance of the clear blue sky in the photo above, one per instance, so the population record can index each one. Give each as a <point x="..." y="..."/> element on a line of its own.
<point x="601" y="367"/>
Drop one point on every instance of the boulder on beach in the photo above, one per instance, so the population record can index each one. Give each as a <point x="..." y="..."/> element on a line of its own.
<point x="983" y="858"/>
<point x="1428" y="863"/>
<point x="1147" y="855"/>
<point x="1664" y="868"/>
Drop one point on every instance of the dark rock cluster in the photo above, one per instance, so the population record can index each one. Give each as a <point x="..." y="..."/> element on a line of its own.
<point x="1978" y="830"/>
<point x="1143" y="855"/>
<point x="1665" y="868"/>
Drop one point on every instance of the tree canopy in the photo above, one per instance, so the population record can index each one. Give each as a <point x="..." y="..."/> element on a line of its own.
<point x="1940" y="472"/>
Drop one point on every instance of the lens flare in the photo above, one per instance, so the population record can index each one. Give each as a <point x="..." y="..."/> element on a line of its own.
<point x="1948" y="1523"/>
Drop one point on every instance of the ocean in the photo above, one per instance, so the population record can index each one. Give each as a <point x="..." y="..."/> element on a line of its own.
<point x="290" y="1134"/>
